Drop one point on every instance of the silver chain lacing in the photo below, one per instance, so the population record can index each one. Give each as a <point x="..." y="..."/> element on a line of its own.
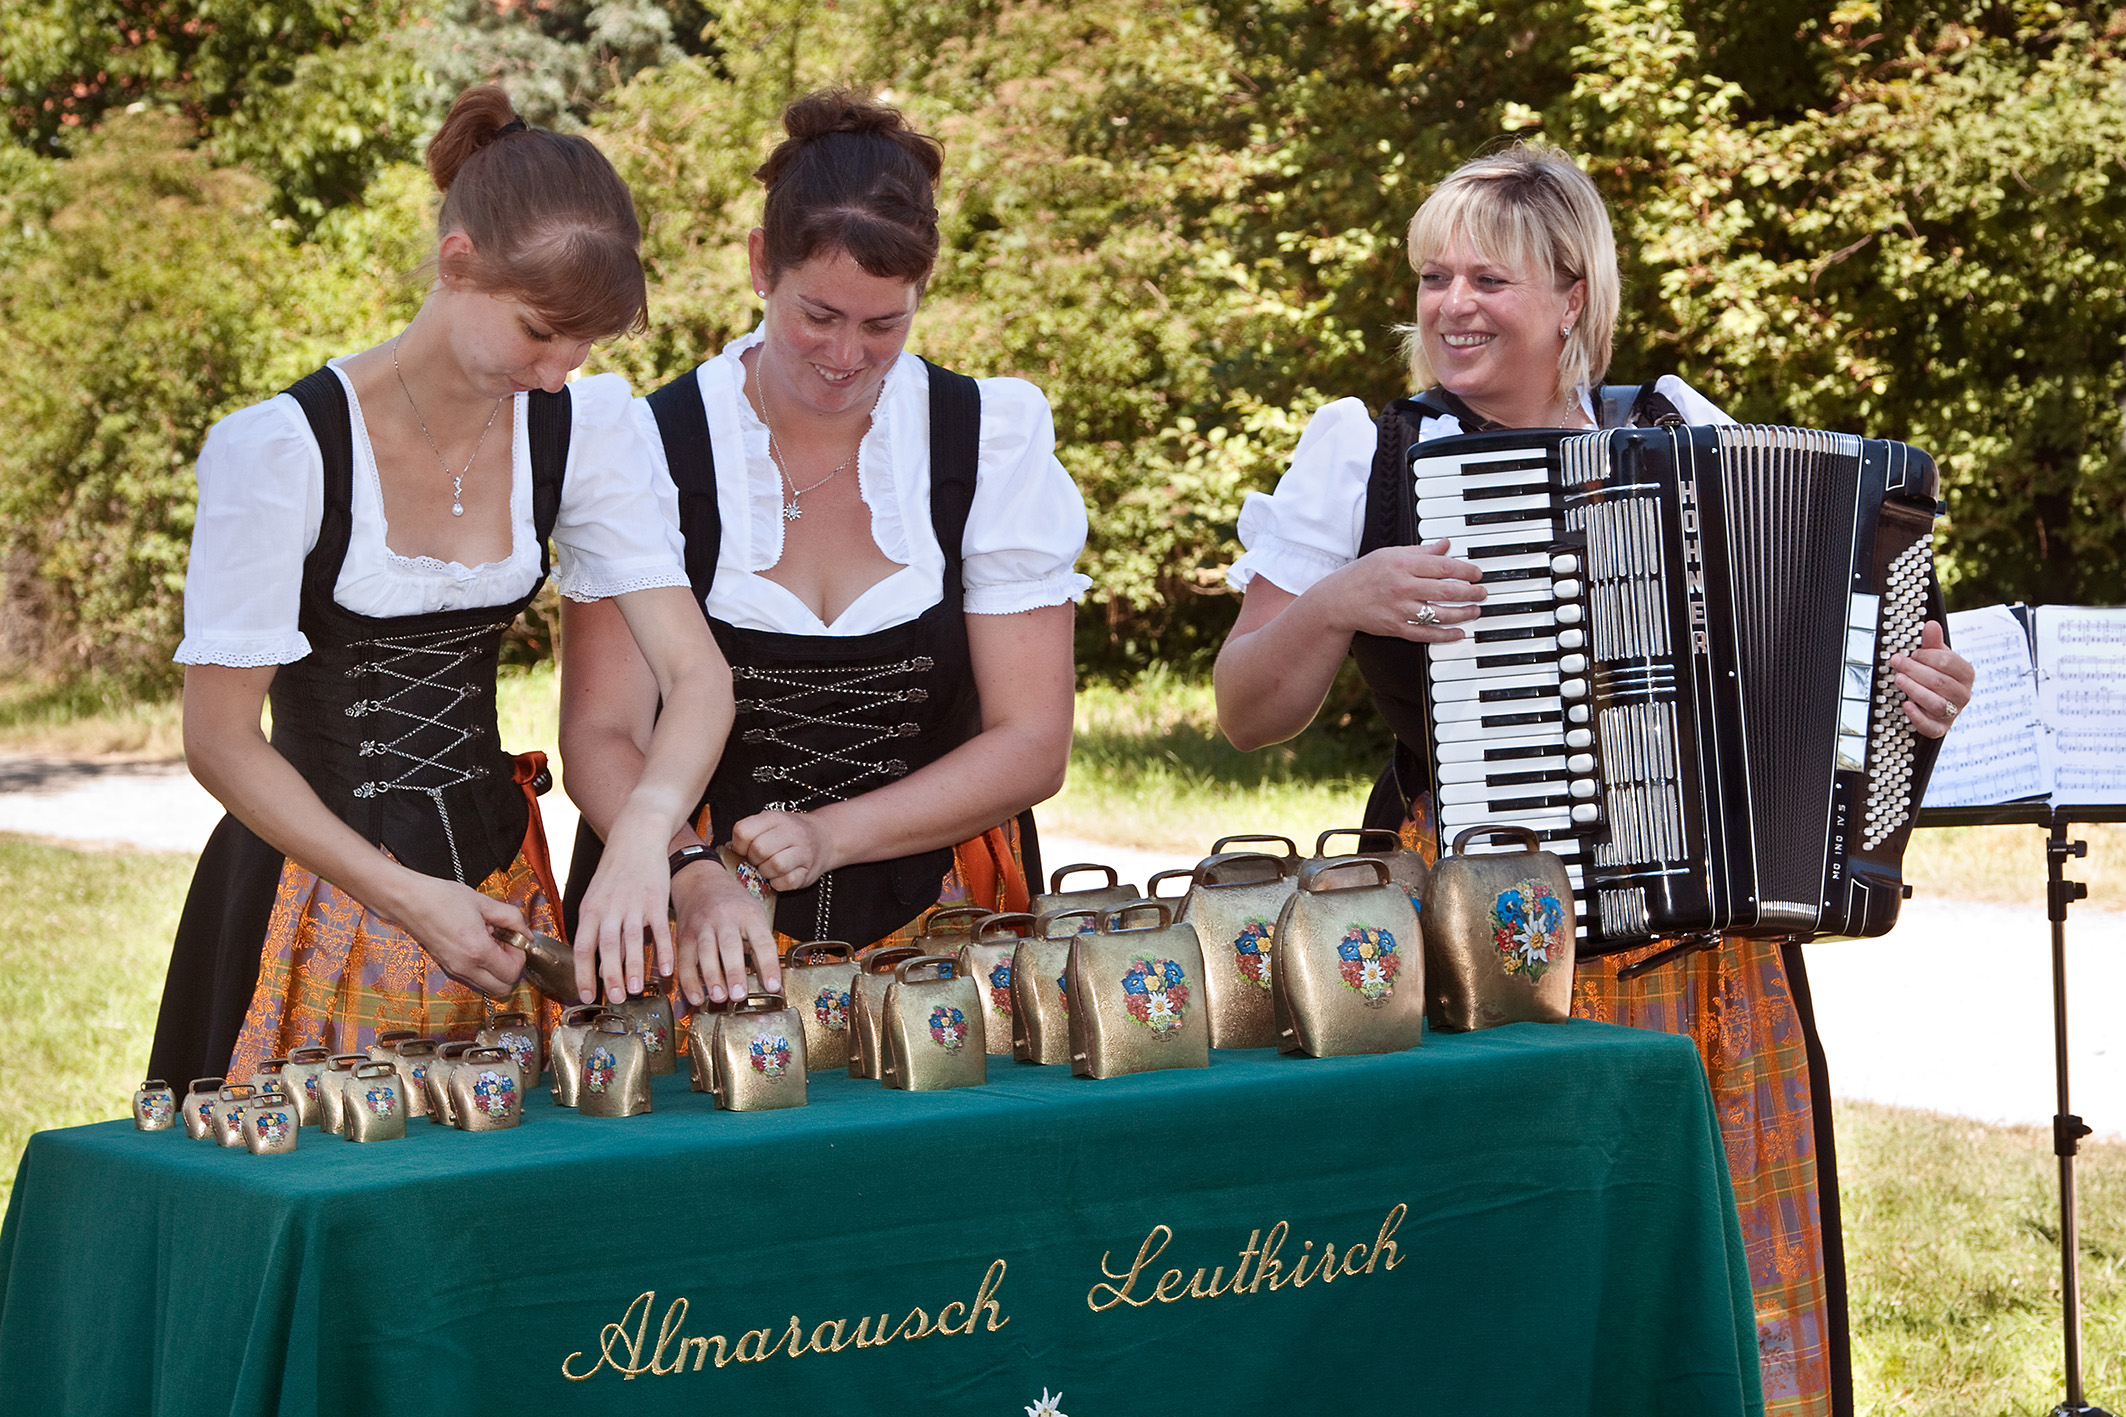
<point x="846" y="694"/>
<point x="400" y="662"/>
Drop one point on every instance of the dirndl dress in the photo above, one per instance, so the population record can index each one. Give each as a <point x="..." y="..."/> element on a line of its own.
<point x="822" y="718"/>
<point x="392" y="721"/>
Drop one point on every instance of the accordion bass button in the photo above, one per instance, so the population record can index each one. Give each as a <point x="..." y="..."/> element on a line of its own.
<point x="1573" y="664"/>
<point x="1583" y="788"/>
<point x="1578" y="738"/>
<point x="1565" y="590"/>
<point x="1571" y="639"/>
<point x="1569" y="614"/>
<point x="1573" y="689"/>
<point x="1580" y="763"/>
<point x="1584" y="812"/>
<point x="1577" y="713"/>
<point x="1564" y="565"/>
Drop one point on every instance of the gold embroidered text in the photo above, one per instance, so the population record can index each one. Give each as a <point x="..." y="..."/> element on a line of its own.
<point x="632" y="1354"/>
<point x="1265" y="1253"/>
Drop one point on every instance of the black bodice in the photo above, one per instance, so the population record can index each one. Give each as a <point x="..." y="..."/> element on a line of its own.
<point x="823" y="718"/>
<point x="392" y="720"/>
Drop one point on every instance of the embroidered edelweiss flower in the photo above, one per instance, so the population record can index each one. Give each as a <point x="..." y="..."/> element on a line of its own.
<point x="1047" y="1406"/>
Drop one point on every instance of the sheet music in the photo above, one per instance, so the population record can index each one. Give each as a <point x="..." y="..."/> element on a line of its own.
<point x="1995" y="752"/>
<point x="2081" y="658"/>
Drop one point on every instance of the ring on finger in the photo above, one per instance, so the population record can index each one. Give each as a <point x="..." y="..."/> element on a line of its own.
<point x="1427" y="614"/>
<point x="1949" y="710"/>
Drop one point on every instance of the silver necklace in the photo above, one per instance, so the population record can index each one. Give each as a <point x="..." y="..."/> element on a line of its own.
<point x="790" y="510"/>
<point x="457" y="479"/>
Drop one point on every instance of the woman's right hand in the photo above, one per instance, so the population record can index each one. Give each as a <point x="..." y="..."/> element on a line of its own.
<point x="455" y="924"/>
<point x="721" y="926"/>
<point x="1386" y="592"/>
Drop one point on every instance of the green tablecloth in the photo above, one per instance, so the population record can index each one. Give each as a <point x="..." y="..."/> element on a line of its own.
<point x="1532" y="1219"/>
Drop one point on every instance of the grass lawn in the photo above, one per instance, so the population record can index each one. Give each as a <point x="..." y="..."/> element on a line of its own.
<point x="1950" y="1226"/>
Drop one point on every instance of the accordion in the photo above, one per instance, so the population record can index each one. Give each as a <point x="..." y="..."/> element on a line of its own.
<point x="1680" y="679"/>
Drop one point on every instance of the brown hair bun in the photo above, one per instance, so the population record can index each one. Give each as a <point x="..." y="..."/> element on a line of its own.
<point x="551" y="223"/>
<point x="852" y="176"/>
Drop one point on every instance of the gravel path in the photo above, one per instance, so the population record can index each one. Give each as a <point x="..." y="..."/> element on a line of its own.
<point x="1951" y="1012"/>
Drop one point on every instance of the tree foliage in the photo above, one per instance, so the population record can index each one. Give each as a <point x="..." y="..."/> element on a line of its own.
<point x="1184" y="222"/>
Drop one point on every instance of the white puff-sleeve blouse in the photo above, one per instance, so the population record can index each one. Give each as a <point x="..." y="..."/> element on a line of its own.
<point x="261" y="501"/>
<point x="1311" y="525"/>
<point x="1024" y="533"/>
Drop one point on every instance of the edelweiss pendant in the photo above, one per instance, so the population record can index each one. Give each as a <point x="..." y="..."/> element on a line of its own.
<point x="791" y="511"/>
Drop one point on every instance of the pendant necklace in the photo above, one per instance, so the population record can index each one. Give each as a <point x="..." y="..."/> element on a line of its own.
<point x="791" y="511"/>
<point x="457" y="479"/>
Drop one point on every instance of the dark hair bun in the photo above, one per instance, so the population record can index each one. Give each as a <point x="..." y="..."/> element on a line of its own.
<point x="852" y="176"/>
<point x="476" y="119"/>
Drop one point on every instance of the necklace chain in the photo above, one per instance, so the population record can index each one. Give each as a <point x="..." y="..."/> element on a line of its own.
<point x="791" y="510"/>
<point x="457" y="479"/>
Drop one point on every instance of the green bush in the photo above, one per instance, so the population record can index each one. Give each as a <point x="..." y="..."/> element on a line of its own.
<point x="1183" y="222"/>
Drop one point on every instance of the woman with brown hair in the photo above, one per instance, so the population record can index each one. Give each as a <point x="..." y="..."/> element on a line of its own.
<point x="1517" y="300"/>
<point x="363" y="541"/>
<point x="884" y="549"/>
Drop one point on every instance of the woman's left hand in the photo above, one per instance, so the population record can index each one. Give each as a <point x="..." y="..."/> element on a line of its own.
<point x="792" y="849"/>
<point x="1936" y="679"/>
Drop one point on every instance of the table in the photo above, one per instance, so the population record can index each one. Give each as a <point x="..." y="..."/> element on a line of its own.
<point x="1530" y="1219"/>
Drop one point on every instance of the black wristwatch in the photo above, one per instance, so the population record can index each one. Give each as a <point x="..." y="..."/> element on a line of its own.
<point x="686" y="856"/>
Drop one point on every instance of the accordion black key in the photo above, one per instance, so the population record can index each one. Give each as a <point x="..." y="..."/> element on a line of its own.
<point x="1680" y="679"/>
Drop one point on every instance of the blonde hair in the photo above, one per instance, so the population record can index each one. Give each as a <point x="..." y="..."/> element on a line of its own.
<point x="1530" y="209"/>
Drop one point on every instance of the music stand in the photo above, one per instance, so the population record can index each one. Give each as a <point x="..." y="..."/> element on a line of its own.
<point x="2067" y="1129"/>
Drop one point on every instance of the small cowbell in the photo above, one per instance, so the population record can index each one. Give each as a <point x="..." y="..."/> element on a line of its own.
<point x="229" y="1104"/>
<point x="616" y="1071"/>
<point x="154" y="1106"/>
<point x="986" y="959"/>
<point x="576" y="1024"/>
<point x="271" y="1122"/>
<point x="385" y="1048"/>
<point x="442" y="1106"/>
<point x="199" y="1107"/>
<point x="1290" y="854"/>
<point x="332" y="1091"/>
<point x="513" y="1031"/>
<point x="1040" y="998"/>
<point x="1349" y="973"/>
<point x="415" y="1057"/>
<point x="1499" y="935"/>
<point x="1136" y="995"/>
<point x="1405" y="867"/>
<point x="700" y="1030"/>
<point x="933" y="1028"/>
<point x="757" y="1055"/>
<point x="819" y="980"/>
<point x="650" y="1012"/>
<point x="301" y="1076"/>
<point x="867" y="1001"/>
<point x="376" y="1103"/>
<point x="1109" y="893"/>
<point x="268" y="1077"/>
<point x="548" y="963"/>
<point x="486" y="1090"/>
<point x="1234" y="901"/>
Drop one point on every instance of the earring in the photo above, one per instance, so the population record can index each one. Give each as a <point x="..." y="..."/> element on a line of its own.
<point x="1565" y="332"/>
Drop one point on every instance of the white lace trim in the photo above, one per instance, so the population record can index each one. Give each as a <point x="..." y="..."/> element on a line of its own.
<point x="1015" y="596"/>
<point x="242" y="654"/>
<point x="587" y="588"/>
<point x="1291" y="567"/>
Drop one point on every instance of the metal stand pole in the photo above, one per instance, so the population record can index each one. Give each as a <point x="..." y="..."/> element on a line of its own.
<point x="2067" y="1129"/>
